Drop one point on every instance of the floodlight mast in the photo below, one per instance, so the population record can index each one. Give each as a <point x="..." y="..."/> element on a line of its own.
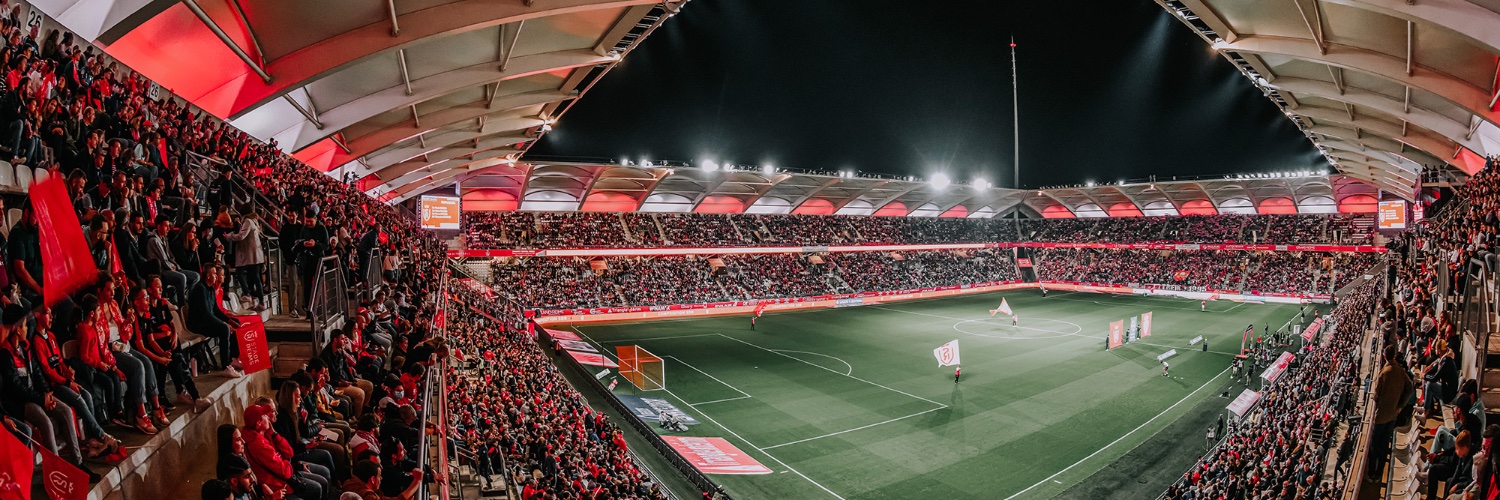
<point x="1015" y="215"/>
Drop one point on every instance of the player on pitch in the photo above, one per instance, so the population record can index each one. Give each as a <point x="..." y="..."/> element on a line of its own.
<point x="957" y="371"/>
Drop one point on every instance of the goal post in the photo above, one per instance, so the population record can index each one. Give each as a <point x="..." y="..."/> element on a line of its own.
<point x="641" y="368"/>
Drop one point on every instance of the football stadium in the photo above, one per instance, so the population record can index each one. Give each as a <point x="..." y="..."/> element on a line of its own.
<point x="674" y="249"/>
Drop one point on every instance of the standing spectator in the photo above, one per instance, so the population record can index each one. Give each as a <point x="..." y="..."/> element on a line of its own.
<point x="1392" y="388"/>
<point x="250" y="258"/>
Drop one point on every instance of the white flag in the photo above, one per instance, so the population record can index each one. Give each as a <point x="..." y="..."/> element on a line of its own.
<point x="947" y="354"/>
<point x="1004" y="308"/>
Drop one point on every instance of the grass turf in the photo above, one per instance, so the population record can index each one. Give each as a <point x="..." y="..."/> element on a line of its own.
<point x="850" y="403"/>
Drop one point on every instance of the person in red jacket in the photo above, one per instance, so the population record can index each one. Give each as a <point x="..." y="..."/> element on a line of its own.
<point x="270" y="456"/>
<point x="60" y="378"/>
<point x="102" y="372"/>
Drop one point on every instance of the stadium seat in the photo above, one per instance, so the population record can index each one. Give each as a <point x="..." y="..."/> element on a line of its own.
<point x="40" y="175"/>
<point x="7" y="175"/>
<point x="23" y="178"/>
<point x="12" y="217"/>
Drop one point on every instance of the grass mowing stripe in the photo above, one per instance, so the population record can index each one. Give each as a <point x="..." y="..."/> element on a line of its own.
<point x="773" y="351"/>
<point x="862" y="427"/>
<point x="1121" y="438"/>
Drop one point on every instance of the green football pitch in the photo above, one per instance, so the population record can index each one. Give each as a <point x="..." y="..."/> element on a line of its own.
<point x="851" y="403"/>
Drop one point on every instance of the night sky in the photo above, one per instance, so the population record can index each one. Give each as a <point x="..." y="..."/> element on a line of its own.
<point x="1108" y="91"/>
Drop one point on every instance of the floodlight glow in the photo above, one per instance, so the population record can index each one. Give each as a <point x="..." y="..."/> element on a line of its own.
<point x="940" y="180"/>
<point x="767" y="169"/>
<point x="981" y="184"/>
<point x="709" y="165"/>
<point x="1088" y="183"/>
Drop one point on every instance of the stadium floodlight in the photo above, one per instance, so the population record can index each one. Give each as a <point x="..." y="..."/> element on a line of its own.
<point x="709" y="165"/>
<point x="767" y="169"/>
<point x="1088" y="183"/>
<point x="940" y="181"/>
<point x="981" y="184"/>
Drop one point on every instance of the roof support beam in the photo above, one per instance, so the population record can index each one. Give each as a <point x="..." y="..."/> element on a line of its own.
<point x="656" y="177"/>
<point x="892" y="198"/>
<point x="228" y="42"/>
<point x="814" y="192"/>
<point x="260" y="54"/>
<point x="390" y="7"/>
<point x="1315" y="29"/>
<point x="710" y="189"/>
<point x="508" y="37"/>
<point x="405" y="76"/>
<point x="309" y="112"/>
<point x="770" y="184"/>
<point x="415" y="119"/>
<point x="865" y="190"/>
<point x="1411" y="33"/>
<point x="1390" y="68"/>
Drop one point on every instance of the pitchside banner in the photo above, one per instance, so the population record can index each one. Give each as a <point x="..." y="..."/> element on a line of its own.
<point x="651" y="409"/>
<point x="1116" y="334"/>
<point x="1146" y="324"/>
<point x="592" y="359"/>
<point x="715" y="455"/>
<point x="562" y="334"/>
<point x="1134" y="329"/>
<point x="574" y="345"/>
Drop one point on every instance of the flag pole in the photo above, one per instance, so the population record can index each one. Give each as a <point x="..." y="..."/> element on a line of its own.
<point x="1015" y="215"/>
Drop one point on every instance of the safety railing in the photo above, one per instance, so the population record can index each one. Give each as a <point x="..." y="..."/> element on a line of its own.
<point x="328" y="305"/>
<point x="374" y="274"/>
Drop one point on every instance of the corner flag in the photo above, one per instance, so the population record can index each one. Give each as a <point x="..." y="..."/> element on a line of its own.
<point x="947" y="354"/>
<point x="1004" y="308"/>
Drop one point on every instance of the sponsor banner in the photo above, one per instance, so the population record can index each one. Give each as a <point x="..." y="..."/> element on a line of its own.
<point x="1116" y="333"/>
<point x="1165" y="355"/>
<point x="576" y="345"/>
<point x="1277" y="368"/>
<point x="1023" y="262"/>
<point x="255" y="352"/>
<point x="1134" y="332"/>
<point x="850" y="302"/>
<point x="1243" y="402"/>
<point x="651" y="409"/>
<point x="635" y="313"/>
<point x="606" y="252"/>
<point x="1146" y="324"/>
<point x="562" y="334"/>
<point x="714" y="455"/>
<point x="592" y="359"/>
<point x="1195" y="340"/>
<point x="601" y="374"/>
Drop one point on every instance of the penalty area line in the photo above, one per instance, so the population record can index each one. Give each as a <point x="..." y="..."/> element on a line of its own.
<point x="1121" y="438"/>
<point x="862" y="427"/>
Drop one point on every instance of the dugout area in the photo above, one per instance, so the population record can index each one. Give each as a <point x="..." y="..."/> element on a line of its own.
<point x="850" y="403"/>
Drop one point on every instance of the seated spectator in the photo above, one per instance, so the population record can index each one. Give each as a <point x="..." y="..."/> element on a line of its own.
<point x="28" y="396"/>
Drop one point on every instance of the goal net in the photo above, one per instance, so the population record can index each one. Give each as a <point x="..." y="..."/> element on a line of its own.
<point x="641" y="368"/>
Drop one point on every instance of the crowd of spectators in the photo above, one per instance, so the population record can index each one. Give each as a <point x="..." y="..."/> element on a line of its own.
<point x="1276" y="455"/>
<point x="180" y="211"/>
<point x="511" y="406"/>
<point x="610" y="230"/>
<point x="1282" y="272"/>
<point x="1419" y="380"/>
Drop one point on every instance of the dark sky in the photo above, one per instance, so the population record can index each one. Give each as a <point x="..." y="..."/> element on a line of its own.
<point x="1108" y="91"/>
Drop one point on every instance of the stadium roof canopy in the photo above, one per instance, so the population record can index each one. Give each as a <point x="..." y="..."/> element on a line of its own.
<point x="1384" y="88"/>
<point x="387" y="90"/>
<point x="605" y="187"/>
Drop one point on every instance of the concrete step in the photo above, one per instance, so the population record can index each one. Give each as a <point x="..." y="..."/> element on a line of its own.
<point x="1490" y="396"/>
<point x="1491" y="377"/>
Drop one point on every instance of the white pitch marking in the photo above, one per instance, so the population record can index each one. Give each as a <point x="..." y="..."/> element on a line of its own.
<point x="824" y="368"/>
<point x="716" y="379"/>
<point x="1121" y="438"/>
<point x="831" y="434"/>
<point x="719" y="401"/>
<point x="846" y="363"/>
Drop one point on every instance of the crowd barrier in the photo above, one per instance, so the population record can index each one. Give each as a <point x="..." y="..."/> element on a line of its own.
<point x="638" y="313"/>
<point x="624" y="252"/>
